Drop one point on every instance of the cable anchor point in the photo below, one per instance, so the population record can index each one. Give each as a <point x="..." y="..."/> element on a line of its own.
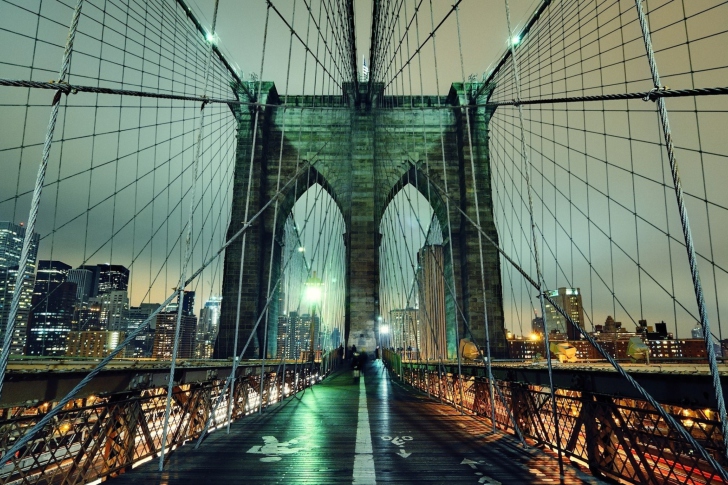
<point x="62" y="88"/>
<point x="654" y="93"/>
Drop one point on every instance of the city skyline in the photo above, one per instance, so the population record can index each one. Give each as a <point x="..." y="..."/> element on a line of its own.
<point x="104" y="208"/>
<point x="64" y="319"/>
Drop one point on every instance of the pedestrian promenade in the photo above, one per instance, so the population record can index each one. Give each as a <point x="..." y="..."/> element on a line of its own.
<point x="360" y="431"/>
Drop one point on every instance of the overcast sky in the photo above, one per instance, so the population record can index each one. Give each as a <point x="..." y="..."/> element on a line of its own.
<point x="625" y="171"/>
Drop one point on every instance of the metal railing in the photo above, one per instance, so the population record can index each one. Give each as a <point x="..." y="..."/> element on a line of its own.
<point x="623" y="439"/>
<point x="98" y="436"/>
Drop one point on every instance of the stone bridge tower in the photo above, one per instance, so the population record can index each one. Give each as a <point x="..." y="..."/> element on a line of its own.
<point x="362" y="163"/>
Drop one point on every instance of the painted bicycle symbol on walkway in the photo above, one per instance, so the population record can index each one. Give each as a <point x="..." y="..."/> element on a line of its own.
<point x="399" y="442"/>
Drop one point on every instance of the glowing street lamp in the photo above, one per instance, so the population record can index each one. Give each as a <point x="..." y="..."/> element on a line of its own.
<point x="383" y="334"/>
<point x="312" y="294"/>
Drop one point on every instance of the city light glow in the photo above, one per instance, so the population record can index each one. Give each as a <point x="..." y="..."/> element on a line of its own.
<point x="313" y="293"/>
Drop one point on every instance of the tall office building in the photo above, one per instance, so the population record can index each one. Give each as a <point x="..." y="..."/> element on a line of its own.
<point x="11" y="245"/>
<point x="307" y="324"/>
<point x="283" y="345"/>
<point x="142" y="344"/>
<point x="569" y="299"/>
<point x="207" y="328"/>
<point x="431" y="284"/>
<point x="188" y="303"/>
<point x="297" y="336"/>
<point x="404" y="328"/>
<point x="107" y="277"/>
<point x="87" y="317"/>
<point x="84" y="280"/>
<point x="114" y="308"/>
<point x="137" y="315"/>
<point x="113" y="277"/>
<point x="164" y="336"/>
<point x="52" y="312"/>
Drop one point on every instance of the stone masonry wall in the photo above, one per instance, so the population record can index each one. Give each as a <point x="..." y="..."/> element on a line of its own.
<point x="363" y="156"/>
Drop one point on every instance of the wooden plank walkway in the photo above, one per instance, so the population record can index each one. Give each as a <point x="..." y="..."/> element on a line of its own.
<point x="360" y="431"/>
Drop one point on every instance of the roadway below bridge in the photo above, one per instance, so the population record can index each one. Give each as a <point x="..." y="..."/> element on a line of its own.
<point x="365" y="430"/>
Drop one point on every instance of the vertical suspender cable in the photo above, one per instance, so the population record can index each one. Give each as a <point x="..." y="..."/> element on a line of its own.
<point x="477" y="220"/>
<point x="257" y="108"/>
<point x="720" y="471"/>
<point x="188" y="244"/>
<point x="275" y="210"/>
<point x="444" y="177"/>
<point x="526" y="172"/>
<point x="295" y="191"/>
<point x="685" y="222"/>
<point x="35" y="202"/>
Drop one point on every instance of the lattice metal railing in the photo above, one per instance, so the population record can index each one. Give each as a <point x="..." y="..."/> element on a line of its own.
<point x="103" y="436"/>
<point x="617" y="438"/>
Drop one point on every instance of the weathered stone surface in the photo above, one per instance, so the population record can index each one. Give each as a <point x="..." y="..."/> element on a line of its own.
<point x="364" y="154"/>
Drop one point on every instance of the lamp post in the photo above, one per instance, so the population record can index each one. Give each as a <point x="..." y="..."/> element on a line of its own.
<point x="313" y="296"/>
<point x="383" y="335"/>
<point x="379" y="331"/>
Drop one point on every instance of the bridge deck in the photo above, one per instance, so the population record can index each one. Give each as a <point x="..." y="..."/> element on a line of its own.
<point x="361" y="431"/>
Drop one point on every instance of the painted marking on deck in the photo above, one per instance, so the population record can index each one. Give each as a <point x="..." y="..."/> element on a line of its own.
<point x="399" y="442"/>
<point x="403" y="453"/>
<point x="273" y="448"/>
<point x="483" y="477"/>
<point x="364" y="473"/>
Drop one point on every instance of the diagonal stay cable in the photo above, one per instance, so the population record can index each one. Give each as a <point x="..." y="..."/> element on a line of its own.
<point x="620" y="370"/>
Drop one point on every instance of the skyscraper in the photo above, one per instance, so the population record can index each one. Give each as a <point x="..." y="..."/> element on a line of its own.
<point x="312" y="322"/>
<point x="207" y="328"/>
<point x="164" y="336"/>
<point x="52" y="313"/>
<point x="113" y="277"/>
<point x="107" y="277"/>
<point x="141" y="346"/>
<point x="297" y="335"/>
<point x="87" y="317"/>
<point x="431" y="285"/>
<point x="188" y="303"/>
<point x="114" y="308"/>
<point x="84" y="280"/>
<point x="11" y="245"/>
<point x="284" y="338"/>
<point x="404" y="328"/>
<point x="569" y="299"/>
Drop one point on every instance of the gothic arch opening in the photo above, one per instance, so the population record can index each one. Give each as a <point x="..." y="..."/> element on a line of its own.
<point x="414" y="274"/>
<point x="311" y="296"/>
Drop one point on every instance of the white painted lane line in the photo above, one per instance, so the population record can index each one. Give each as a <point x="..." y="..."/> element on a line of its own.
<point x="364" y="473"/>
